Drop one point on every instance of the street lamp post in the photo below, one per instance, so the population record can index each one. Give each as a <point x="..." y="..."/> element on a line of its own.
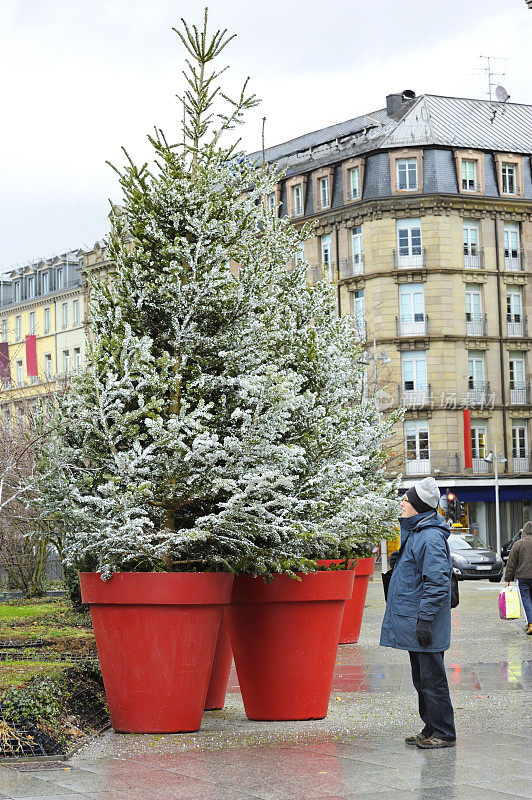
<point x="494" y="457"/>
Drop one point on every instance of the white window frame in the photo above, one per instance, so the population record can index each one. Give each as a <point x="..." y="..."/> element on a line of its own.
<point x="19" y="372"/>
<point x="354" y="183"/>
<point x="18" y="291"/>
<point x="409" y="243"/>
<point x="514" y="311"/>
<point x="469" y="175"/>
<point x="323" y="184"/>
<point x="31" y="286"/>
<point x="77" y="358"/>
<point x="358" y="309"/>
<point x="512" y="247"/>
<point x="520" y="456"/>
<point x="479" y="446"/>
<point x="417" y="447"/>
<point x="32" y="323"/>
<point x="3" y="331"/>
<point x="517" y="378"/>
<point x="297" y="199"/>
<point x="18" y="328"/>
<point x="60" y="278"/>
<point x="412" y="320"/>
<point x="357" y="246"/>
<point x="45" y="283"/>
<point x="326" y="255"/>
<point x="474" y="314"/>
<point x="509" y="178"/>
<point x="471" y="244"/>
<point x="47" y="319"/>
<point x="64" y="316"/>
<point x="66" y="362"/>
<point x="48" y="370"/>
<point x="414" y="386"/>
<point x="406" y="172"/>
<point x="75" y="312"/>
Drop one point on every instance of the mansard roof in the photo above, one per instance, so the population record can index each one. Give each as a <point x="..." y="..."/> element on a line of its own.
<point x="427" y="120"/>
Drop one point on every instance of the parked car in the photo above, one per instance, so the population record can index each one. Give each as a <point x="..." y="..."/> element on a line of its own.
<point x="472" y="558"/>
<point x="505" y="549"/>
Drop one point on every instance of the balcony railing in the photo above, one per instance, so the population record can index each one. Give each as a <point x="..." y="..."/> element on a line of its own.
<point x="514" y="261"/>
<point x="435" y="462"/>
<point x="414" y="398"/>
<point x="476" y="324"/>
<point x="322" y="271"/>
<point x="517" y="327"/>
<point x="412" y="325"/>
<point x="409" y="260"/>
<point x="349" y="267"/>
<point x="519" y="393"/>
<point x="478" y="393"/>
<point x="521" y="464"/>
<point x="474" y="260"/>
<point x="480" y="466"/>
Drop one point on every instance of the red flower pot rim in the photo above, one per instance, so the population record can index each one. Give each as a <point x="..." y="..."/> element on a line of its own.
<point x="158" y="588"/>
<point x="325" y="585"/>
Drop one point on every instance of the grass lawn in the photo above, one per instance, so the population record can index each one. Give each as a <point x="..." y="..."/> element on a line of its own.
<point x="15" y="673"/>
<point x="22" y="622"/>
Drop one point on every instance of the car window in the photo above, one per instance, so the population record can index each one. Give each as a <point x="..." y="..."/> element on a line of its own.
<point x="466" y="542"/>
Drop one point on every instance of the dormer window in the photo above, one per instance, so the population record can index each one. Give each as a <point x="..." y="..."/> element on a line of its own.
<point x="406" y="174"/>
<point x="45" y="283"/>
<point x="508" y="179"/>
<point x="60" y="278"/>
<point x="31" y="287"/>
<point x="18" y="292"/>
<point x="469" y="175"/>
<point x="324" y="192"/>
<point x="354" y="183"/>
<point x="297" y="200"/>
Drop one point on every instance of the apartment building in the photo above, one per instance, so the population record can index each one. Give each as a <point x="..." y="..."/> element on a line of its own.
<point x="423" y="221"/>
<point x="42" y="333"/>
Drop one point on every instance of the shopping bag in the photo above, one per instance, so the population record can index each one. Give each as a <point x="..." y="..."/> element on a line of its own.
<point x="509" y="606"/>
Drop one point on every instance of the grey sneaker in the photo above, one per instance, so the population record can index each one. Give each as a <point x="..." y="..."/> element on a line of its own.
<point x="433" y="743"/>
<point x="415" y="739"/>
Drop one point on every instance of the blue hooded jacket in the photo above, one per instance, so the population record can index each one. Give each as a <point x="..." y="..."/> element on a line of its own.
<point x="420" y="586"/>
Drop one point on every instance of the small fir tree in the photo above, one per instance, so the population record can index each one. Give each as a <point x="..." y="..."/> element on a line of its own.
<point x="220" y="422"/>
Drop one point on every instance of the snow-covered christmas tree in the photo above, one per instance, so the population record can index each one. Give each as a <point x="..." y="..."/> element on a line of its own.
<point x="221" y="422"/>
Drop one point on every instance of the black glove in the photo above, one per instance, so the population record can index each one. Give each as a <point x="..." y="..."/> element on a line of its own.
<point x="393" y="558"/>
<point x="423" y="633"/>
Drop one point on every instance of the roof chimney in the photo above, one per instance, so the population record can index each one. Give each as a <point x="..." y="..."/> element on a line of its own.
<point x="394" y="102"/>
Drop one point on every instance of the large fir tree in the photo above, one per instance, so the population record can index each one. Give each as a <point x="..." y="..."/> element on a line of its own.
<point x="220" y="423"/>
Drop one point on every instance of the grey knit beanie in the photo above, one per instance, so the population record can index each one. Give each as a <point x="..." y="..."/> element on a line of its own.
<point x="424" y="495"/>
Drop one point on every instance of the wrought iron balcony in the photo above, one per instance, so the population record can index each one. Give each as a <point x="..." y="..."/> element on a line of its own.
<point x="517" y="326"/>
<point x="433" y="462"/>
<point x="323" y="271"/>
<point x="412" y="325"/>
<point x="476" y="324"/>
<point x="478" y="393"/>
<point x="352" y="266"/>
<point x="409" y="260"/>
<point x="519" y="393"/>
<point x="514" y="261"/>
<point x="480" y="466"/>
<point x="521" y="463"/>
<point x="415" y="398"/>
<point x="474" y="260"/>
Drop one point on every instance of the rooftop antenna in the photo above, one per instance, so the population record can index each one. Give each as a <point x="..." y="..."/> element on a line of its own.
<point x="489" y="71"/>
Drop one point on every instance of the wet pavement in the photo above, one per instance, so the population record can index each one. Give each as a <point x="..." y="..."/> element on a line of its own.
<point x="356" y="753"/>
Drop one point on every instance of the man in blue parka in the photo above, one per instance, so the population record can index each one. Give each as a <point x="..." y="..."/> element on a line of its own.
<point x="418" y="610"/>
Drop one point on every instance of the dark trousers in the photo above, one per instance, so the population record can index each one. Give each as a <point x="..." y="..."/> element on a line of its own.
<point x="435" y="708"/>
<point x="525" y="591"/>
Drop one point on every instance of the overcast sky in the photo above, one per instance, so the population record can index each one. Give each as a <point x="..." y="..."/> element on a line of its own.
<point x="84" y="77"/>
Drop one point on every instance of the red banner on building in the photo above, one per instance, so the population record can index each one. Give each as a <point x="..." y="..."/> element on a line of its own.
<point x="5" y="367"/>
<point x="31" y="355"/>
<point x="468" y="451"/>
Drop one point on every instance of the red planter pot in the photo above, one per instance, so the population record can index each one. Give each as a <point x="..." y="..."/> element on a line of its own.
<point x="354" y="607"/>
<point x="221" y="667"/>
<point x="284" y="636"/>
<point x="156" y="635"/>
